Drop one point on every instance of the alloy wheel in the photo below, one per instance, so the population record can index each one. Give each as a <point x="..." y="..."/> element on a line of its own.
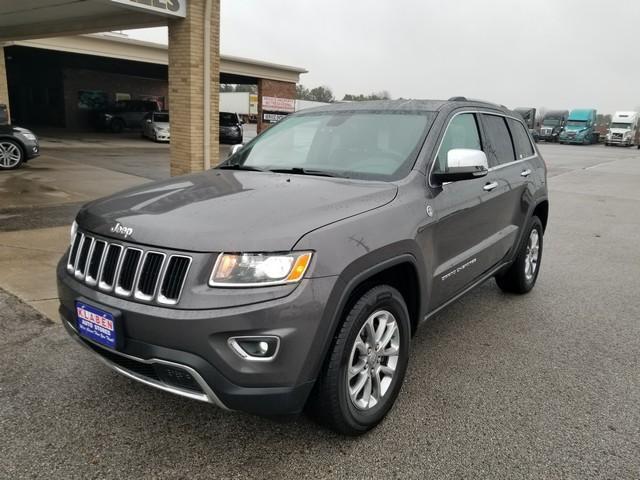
<point x="373" y="360"/>
<point x="531" y="255"/>
<point x="10" y="155"/>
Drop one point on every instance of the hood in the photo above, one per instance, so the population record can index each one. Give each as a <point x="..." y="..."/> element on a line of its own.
<point x="163" y="125"/>
<point x="575" y="128"/>
<point x="225" y="210"/>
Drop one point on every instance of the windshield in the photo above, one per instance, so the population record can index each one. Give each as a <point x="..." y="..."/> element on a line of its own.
<point x="228" y="119"/>
<point x="161" y="117"/>
<point x="626" y="126"/>
<point x="365" y="145"/>
<point x="577" y="123"/>
<point x="551" y="122"/>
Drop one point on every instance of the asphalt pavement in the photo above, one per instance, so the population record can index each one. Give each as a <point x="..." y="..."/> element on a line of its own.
<point x="545" y="385"/>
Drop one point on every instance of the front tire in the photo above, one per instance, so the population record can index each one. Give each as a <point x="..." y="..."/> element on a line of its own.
<point x="521" y="276"/>
<point x="366" y="364"/>
<point x="11" y="154"/>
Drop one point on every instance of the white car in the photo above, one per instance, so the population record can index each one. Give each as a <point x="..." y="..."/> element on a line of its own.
<point x="156" y="126"/>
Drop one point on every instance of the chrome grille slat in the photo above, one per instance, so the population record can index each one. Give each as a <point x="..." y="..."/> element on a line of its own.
<point x="149" y="277"/>
<point x="127" y="275"/>
<point x="109" y="271"/>
<point x="171" y="287"/>
<point x="83" y="257"/>
<point x="73" y="253"/>
<point x="128" y="271"/>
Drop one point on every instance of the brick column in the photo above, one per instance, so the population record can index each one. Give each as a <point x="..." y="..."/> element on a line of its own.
<point x="4" y="87"/>
<point x="186" y="88"/>
<point x="272" y="88"/>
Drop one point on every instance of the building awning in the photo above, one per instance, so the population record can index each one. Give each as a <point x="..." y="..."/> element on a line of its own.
<point x="114" y="45"/>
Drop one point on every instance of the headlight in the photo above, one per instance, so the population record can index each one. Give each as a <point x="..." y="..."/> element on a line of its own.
<point x="74" y="230"/>
<point x="259" y="269"/>
<point x="29" y="136"/>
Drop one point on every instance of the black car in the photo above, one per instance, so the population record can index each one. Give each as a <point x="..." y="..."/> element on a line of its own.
<point x="294" y="274"/>
<point x="126" y="114"/>
<point x="230" y="128"/>
<point x="17" y="145"/>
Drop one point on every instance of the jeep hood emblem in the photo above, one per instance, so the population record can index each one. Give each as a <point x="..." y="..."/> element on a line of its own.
<point x="122" y="230"/>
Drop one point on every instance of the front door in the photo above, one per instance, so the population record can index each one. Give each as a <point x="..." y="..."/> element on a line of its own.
<point x="464" y="234"/>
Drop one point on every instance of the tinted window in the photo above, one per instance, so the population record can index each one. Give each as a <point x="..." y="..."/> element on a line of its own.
<point x="499" y="147"/>
<point x="228" y="119"/>
<point x="521" y="140"/>
<point x="366" y="145"/>
<point x="462" y="132"/>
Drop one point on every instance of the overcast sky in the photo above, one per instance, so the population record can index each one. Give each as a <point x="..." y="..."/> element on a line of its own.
<point x="542" y="53"/>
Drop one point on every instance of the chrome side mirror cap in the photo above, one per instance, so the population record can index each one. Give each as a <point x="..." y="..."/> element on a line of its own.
<point x="235" y="149"/>
<point x="463" y="164"/>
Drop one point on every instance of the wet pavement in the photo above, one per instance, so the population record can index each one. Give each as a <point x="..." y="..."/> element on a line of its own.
<point x="544" y="385"/>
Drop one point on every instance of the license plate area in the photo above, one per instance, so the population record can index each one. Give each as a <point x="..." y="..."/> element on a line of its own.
<point x="98" y="325"/>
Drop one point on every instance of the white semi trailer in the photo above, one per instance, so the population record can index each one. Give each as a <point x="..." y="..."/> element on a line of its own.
<point x="623" y="129"/>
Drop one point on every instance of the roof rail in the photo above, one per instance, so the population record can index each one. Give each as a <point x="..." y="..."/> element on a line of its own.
<point x="465" y="99"/>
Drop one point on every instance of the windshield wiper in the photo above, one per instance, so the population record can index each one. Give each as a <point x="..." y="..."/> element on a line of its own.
<point x="237" y="166"/>
<point x="305" y="171"/>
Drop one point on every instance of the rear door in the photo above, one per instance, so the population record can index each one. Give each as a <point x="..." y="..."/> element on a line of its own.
<point x="465" y="228"/>
<point x="510" y="152"/>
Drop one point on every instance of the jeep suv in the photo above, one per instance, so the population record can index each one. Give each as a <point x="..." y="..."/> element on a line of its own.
<point x="294" y="274"/>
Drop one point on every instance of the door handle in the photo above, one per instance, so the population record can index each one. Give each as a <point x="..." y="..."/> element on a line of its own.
<point x="526" y="173"/>
<point x="490" y="186"/>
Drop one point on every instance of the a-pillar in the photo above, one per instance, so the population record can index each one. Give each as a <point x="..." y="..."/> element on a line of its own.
<point x="4" y="88"/>
<point x="194" y="120"/>
<point x="272" y="88"/>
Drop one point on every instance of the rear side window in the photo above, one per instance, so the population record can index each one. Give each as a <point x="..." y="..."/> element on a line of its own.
<point x="521" y="140"/>
<point x="462" y="132"/>
<point x="499" y="146"/>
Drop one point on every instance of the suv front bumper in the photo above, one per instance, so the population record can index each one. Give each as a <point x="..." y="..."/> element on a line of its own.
<point x="186" y="351"/>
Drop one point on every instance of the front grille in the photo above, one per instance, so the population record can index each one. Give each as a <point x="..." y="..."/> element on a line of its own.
<point x="174" y="279"/>
<point x="128" y="271"/>
<point x="617" y="136"/>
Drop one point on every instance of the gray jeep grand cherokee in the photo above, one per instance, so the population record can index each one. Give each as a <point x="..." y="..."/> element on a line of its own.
<point x="294" y="274"/>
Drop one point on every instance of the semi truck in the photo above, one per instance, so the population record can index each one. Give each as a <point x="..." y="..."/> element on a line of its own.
<point x="623" y="130"/>
<point x="553" y="123"/>
<point x="580" y="127"/>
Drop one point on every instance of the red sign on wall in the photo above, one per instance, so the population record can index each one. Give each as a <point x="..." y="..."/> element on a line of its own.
<point x="275" y="104"/>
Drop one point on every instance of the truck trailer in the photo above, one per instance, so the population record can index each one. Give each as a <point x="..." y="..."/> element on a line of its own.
<point x="623" y="130"/>
<point x="553" y="123"/>
<point x="580" y="128"/>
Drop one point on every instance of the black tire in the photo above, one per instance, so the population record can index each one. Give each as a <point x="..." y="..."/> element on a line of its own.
<point x="515" y="278"/>
<point x="330" y="403"/>
<point x="11" y="154"/>
<point x="117" y="125"/>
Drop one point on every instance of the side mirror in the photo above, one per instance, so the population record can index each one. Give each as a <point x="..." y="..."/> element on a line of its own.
<point x="235" y="149"/>
<point x="463" y="164"/>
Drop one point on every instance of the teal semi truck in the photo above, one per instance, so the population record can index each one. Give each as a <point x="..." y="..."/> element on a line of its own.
<point x="581" y="127"/>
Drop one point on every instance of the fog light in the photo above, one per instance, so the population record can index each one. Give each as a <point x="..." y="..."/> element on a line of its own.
<point x="255" y="348"/>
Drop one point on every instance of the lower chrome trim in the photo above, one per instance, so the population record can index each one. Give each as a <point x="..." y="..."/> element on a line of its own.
<point x="209" y="396"/>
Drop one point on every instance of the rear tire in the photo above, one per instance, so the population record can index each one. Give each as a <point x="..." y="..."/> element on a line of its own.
<point x="11" y="154"/>
<point x="366" y="364"/>
<point x="521" y="276"/>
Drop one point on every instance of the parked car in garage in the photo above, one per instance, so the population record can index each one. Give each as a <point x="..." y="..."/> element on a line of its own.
<point x="156" y="126"/>
<point x="294" y="274"/>
<point x="17" y="144"/>
<point x="126" y="114"/>
<point x="230" y="128"/>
